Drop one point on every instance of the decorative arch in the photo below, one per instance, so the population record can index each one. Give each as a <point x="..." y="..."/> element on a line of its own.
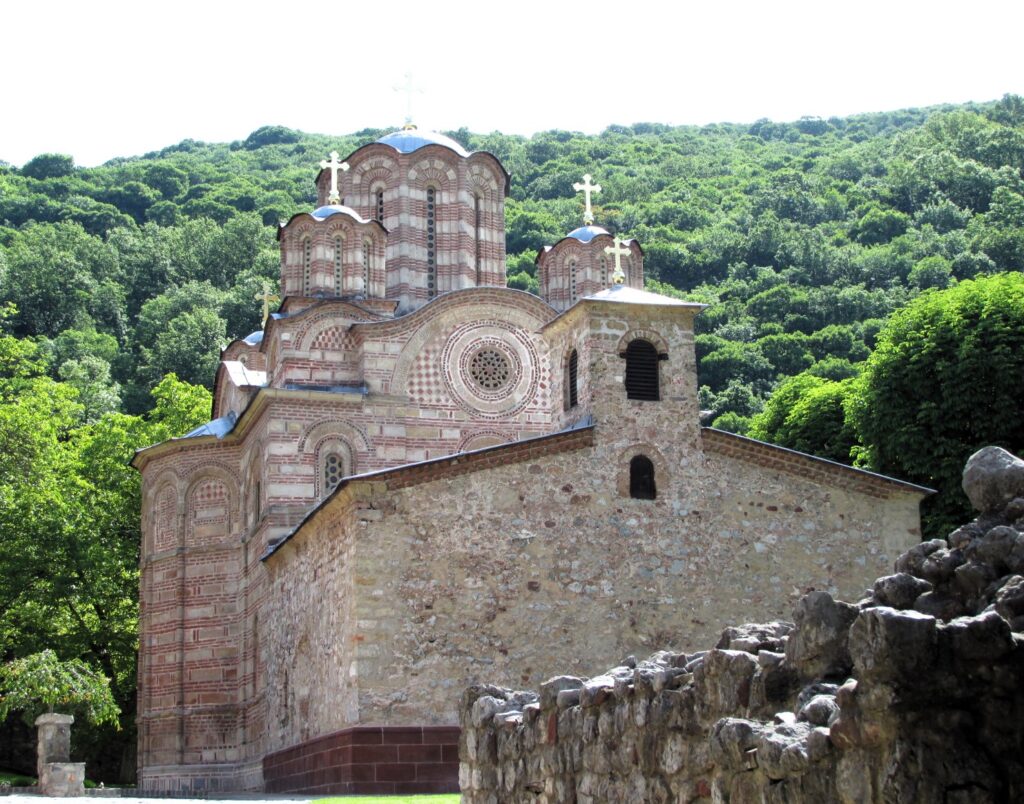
<point x="165" y="532"/>
<point x="327" y="428"/>
<point x="480" y="439"/>
<point x="211" y="501"/>
<point x="432" y="170"/>
<point x="649" y="335"/>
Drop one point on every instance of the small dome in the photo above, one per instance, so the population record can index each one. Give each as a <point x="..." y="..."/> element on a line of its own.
<point x="254" y="338"/>
<point x="587" y="233"/>
<point x="321" y="213"/>
<point x="408" y="140"/>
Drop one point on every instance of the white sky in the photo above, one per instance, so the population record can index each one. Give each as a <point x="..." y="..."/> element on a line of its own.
<point x="108" y="78"/>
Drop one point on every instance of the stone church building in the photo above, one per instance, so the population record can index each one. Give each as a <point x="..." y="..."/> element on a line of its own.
<point x="416" y="478"/>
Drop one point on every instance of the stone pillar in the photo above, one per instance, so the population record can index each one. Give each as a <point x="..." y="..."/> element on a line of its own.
<point x="57" y="775"/>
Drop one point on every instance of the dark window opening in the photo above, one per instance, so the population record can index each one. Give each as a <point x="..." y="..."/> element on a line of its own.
<point x="641" y="478"/>
<point x="572" y="379"/>
<point x="642" y="371"/>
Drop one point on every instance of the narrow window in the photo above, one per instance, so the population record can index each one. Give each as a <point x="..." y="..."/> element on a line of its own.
<point x="642" y="371"/>
<point x="257" y="503"/>
<point x="604" y="272"/>
<point x="431" y="243"/>
<point x="380" y="206"/>
<point x="338" y="246"/>
<point x="641" y="478"/>
<point x="307" y="264"/>
<point x="476" y="235"/>
<point x="366" y="268"/>
<point x="571" y="380"/>
<point x="572" y="281"/>
<point x="334" y="471"/>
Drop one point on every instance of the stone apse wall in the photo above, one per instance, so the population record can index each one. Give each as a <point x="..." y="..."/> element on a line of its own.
<point x="911" y="694"/>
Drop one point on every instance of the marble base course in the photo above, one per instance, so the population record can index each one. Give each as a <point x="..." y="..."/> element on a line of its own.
<point x="369" y="759"/>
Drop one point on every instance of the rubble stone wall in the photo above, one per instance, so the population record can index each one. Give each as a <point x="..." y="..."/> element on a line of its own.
<point x="911" y="694"/>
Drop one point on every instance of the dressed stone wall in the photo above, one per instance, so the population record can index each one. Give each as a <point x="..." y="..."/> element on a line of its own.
<point x="912" y="694"/>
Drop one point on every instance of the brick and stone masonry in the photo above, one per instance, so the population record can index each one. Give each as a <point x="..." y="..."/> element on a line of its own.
<point x="405" y="485"/>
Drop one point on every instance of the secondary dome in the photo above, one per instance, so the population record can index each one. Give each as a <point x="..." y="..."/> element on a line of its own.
<point x="587" y="233"/>
<point x="320" y="213"/>
<point x="408" y="140"/>
<point x="254" y="338"/>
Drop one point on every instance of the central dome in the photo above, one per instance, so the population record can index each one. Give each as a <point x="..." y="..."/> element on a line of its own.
<point x="412" y="139"/>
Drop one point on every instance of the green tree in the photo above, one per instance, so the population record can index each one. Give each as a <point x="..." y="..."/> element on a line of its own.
<point x="43" y="683"/>
<point x="48" y="166"/>
<point x="942" y="383"/>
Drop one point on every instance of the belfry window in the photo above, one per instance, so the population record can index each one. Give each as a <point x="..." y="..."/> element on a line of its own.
<point x="307" y="264"/>
<point x="338" y="248"/>
<point x="380" y="206"/>
<point x="572" y="368"/>
<point x="641" y="478"/>
<point x="431" y="243"/>
<point x="642" y="380"/>
<point x="572" y="281"/>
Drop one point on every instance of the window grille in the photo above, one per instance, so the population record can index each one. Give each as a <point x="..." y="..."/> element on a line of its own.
<point x="431" y="243"/>
<point x="642" y="371"/>
<point x="338" y="248"/>
<point x="572" y="380"/>
<point x="307" y="265"/>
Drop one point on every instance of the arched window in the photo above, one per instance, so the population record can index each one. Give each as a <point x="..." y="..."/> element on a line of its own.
<point x="642" y="371"/>
<point x="476" y="235"/>
<point x="366" y="268"/>
<point x="572" y="380"/>
<point x="431" y="243"/>
<point x="339" y="245"/>
<point x="380" y="206"/>
<point x="572" y="281"/>
<point x="307" y="264"/>
<point x="334" y="471"/>
<point x="641" y="478"/>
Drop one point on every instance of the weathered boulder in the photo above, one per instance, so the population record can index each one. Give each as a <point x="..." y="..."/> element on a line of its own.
<point x="899" y="591"/>
<point x="817" y="647"/>
<point x="992" y="478"/>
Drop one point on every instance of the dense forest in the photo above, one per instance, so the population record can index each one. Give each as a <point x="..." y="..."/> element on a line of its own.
<point x="863" y="277"/>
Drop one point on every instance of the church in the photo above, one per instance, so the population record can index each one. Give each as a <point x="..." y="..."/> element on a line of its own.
<point x="415" y="477"/>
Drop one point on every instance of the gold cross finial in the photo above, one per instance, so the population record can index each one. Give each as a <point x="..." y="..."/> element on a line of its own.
<point x="334" y="166"/>
<point x="266" y="297"/>
<point x="619" y="278"/>
<point x="587" y="188"/>
<point x="409" y="89"/>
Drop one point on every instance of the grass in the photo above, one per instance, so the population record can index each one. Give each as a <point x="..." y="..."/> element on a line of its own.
<point x="443" y="799"/>
<point x="16" y="779"/>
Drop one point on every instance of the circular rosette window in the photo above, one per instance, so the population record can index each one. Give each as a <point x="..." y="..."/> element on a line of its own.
<point x="490" y="369"/>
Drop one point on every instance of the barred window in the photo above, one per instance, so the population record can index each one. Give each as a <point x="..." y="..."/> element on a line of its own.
<point x="431" y="243"/>
<point x="642" y="381"/>
<point x="572" y="380"/>
<point x="380" y="206"/>
<point x="307" y="264"/>
<point x="338" y="248"/>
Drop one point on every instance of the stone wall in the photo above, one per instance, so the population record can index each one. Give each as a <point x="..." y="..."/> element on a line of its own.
<point x="911" y="694"/>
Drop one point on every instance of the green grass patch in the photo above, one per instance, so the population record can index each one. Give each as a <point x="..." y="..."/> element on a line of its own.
<point x="16" y="779"/>
<point x="452" y="798"/>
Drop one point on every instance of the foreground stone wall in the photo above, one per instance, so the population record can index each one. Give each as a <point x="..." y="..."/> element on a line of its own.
<point x="912" y="694"/>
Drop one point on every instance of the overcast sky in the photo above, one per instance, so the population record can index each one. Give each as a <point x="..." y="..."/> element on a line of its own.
<point x="106" y="78"/>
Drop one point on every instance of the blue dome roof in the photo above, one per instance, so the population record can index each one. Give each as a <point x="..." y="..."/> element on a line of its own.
<point x="320" y="213"/>
<point x="409" y="140"/>
<point x="587" y="233"/>
<point x="254" y="338"/>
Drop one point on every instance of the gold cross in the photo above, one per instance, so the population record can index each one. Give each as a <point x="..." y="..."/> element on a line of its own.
<point x="334" y="166"/>
<point x="409" y="89"/>
<point x="618" y="277"/>
<point x="266" y="297"/>
<point x="587" y="188"/>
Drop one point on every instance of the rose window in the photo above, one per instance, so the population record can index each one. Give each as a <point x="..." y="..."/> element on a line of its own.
<point x="490" y="369"/>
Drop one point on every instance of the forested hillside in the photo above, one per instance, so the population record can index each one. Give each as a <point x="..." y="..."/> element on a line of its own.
<point x="804" y="238"/>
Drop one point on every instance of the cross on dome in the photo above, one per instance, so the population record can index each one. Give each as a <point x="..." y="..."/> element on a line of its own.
<point x="334" y="166"/>
<point x="618" y="250"/>
<point x="409" y="89"/>
<point x="266" y="297"/>
<point x="587" y="188"/>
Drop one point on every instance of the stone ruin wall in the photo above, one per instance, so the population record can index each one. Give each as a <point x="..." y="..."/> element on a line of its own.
<point x="911" y="694"/>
